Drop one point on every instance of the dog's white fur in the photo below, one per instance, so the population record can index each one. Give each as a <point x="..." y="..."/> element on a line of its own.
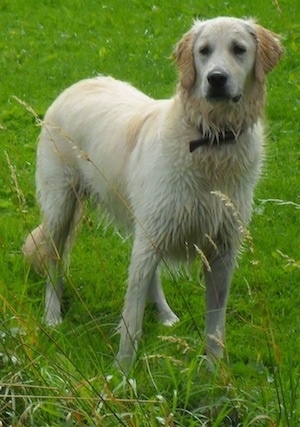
<point x="104" y="138"/>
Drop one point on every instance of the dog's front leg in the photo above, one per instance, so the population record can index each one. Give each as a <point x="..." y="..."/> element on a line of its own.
<point x="217" y="282"/>
<point x="144" y="262"/>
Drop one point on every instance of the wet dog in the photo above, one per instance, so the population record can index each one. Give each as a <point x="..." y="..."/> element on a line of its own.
<point x="180" y="172"/>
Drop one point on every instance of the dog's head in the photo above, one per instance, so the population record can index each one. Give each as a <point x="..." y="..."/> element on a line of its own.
<point x="219" y="59"/>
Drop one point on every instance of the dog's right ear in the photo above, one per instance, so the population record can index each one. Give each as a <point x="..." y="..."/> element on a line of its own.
<point x="184" y="58"/>
<point x="269" y="51"/>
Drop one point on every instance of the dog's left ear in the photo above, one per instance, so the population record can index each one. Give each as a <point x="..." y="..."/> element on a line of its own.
<point x="184" y="58"/>
<point x="269" y="51"/>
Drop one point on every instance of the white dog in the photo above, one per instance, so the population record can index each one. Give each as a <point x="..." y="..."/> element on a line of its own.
<point x="180" y="172"/>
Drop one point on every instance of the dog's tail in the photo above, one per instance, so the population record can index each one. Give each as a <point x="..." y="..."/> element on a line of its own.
<point x="37" y="251"/>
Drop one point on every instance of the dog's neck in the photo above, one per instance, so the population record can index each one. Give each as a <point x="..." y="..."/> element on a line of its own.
<point x="221" y="123"/>
<point x="225" y="137"/>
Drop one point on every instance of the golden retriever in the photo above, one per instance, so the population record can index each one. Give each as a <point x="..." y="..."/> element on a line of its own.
<point x="180" y="172"/>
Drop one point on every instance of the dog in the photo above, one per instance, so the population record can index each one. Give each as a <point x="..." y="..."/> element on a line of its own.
<point x="179" y="173"/>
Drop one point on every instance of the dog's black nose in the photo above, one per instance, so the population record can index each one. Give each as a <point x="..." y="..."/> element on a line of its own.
<point x="217" y="79"/>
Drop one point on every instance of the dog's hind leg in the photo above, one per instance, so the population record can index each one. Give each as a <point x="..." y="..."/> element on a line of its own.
<point x="217" y="282"/>
<point x="59" y="228"/>
<point x="157" y="296"/>
<point x="59" y="200"/>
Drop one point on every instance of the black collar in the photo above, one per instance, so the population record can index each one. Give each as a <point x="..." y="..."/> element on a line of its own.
<point x="223" y="137"/>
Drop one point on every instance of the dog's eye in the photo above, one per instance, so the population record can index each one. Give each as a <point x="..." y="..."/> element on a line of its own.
<point x="204" y="50"/>
<point x="238" y="49"/>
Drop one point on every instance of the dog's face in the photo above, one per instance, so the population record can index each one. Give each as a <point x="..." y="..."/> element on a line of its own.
<point x="224" y="56"/>
<point x="221" y="57"/>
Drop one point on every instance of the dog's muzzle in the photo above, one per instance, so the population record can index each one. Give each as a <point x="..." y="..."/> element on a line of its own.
<point x="218" y="86"/>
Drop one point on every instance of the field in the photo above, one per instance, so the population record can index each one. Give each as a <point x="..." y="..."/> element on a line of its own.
<point x="65" y="376"/>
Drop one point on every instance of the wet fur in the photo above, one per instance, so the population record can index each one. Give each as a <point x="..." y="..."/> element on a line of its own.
<point x="105" y="139"/>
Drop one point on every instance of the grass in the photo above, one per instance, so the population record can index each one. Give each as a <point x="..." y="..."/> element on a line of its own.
<point x="65" y="377"/>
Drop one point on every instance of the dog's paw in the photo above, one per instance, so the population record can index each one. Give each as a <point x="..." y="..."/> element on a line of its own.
<point x="168" y="318"/>
<point x="124" y="363"/>
<point x="53" y="319"/>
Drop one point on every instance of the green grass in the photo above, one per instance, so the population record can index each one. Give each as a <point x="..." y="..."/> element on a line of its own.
<point x="65" y="377"/>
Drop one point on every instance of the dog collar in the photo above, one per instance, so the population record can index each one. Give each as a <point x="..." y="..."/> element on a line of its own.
<point x="226" y="137"/>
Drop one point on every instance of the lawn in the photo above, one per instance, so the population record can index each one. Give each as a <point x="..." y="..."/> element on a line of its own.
<point x="65" y="376"/>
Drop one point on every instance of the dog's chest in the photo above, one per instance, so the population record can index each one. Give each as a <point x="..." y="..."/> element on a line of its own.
<point x="189" y="199"/>
<point x="189" y="211"/>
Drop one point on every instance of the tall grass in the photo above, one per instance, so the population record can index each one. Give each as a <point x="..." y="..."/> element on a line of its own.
<point x="65" y="376"/>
